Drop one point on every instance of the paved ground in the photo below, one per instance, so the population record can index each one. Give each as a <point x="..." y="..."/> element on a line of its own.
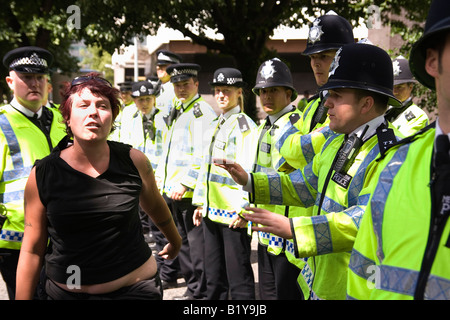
<point x="169" y="293"/>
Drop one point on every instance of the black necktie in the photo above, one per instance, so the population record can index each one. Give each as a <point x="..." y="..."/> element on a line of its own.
<point x="149" y="130"/>
<point x="174" y="114"/>
<point x="442" y="150"/>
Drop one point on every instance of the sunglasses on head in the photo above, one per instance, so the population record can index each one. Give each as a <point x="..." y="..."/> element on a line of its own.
<point x="82" y="79"/>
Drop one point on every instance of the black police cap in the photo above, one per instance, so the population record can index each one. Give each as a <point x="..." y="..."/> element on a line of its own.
<point x="438" y="20"/>
<point x="143" y="88"/>
<point x="167" y="57"/>
<point x="182" y="71"/>
<point x="362" y="66"/>
<point x="228" y="77"/>
<point x="125" y="86"/>
<point x="28" y="59"/>
<point x="328" y="32"/>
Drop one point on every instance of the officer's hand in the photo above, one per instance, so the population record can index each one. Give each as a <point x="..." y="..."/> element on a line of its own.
<point x="197" y="216"/>
<point x="238" y="173"/>
<point x="270" y="222"/>
<point x="177" y="193"/>
<point x="238" y="222"/>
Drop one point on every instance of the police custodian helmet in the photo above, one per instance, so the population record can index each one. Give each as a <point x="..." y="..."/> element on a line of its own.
<point x="328" y="32"/>
<point x="438" y="21"/>
<point x="143" y="88"/>
<point x="402" y="73"/>
<point x="274" y="73"/>
<point x="362" y="66"/>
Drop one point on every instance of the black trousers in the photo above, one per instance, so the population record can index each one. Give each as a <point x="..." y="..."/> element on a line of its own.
<point x="191" y="256"/>
<point x="8" y="267"/>
<point x="277" y="277"/>
<point x="228" y="267"/>
<point x="168" y="269"/>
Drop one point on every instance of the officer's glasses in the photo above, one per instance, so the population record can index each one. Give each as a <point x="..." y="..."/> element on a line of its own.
<point x="82" y="79"/>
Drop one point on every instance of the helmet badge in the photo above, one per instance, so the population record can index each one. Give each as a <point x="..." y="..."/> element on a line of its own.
<point x="335" y="64"/>
<point x="268" y="70"/>
<point x="396" y="67"/>
<point x="315" y="32"/>
<point x="220" y="77"/>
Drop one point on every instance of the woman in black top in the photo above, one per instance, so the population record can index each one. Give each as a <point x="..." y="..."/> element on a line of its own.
<point x="85" y="197"/>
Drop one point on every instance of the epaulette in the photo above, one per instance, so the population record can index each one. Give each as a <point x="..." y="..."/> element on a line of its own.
<point x="197" y="111"/>
<point x="294" y="117"/>
<point x="243" y="124"/>
<point x="409" y="115"/>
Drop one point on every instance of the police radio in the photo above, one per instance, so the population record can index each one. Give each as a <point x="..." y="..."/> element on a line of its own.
<point x="349" y="150"/>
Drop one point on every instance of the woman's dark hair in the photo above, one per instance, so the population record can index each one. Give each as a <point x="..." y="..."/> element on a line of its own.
<point x="97" y="85"/>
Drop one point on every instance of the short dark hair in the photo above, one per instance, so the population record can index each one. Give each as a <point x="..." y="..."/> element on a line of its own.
<point x="380" y="100"/>
<point x="99" y="88"/>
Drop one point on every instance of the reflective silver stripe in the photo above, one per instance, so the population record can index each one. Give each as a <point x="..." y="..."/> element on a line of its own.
<point x="322" y="233"/>
<point x="222" y="180"/>
<point x="381" y="192"/>
<point x="360" y="264"/>
<point x="275" y="191"/>
<point x="10" y="235"/>
<point x="298" y="182"/>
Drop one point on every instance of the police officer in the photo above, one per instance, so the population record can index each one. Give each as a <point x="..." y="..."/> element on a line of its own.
<point x="402" y="250"/>
<point x="28" y="131"/>
<point x="177" y="171"/>
<point x="409" y="118"/>
<point x="127" y="101"/>
<point x="276" y="92"/>
<point x="228" y="267"/>
<point x="165" y="58"/>
<point x="335" y="182"/>
<point x="326" y="35"/>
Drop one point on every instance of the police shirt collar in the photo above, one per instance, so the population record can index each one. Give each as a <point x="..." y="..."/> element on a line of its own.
<point x="439" y="130"/>
<point x="373" y="125"/>
<point x="276" y="116"/>
<point x="16" y="105"/>
<point x="186" y="104"/>
<point x="232" y="111"/>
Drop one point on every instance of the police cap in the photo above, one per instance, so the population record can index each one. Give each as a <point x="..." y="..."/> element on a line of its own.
<point x="182" y="71"/>
<point x="28" y="60"/>
<point x="143" y="88"/>
<point x="166" y="57"/>
<point x="438" y="20"/>
<point x="402" y="73"/>
<point x="362" y="66"/>
<point x="274" y="73"/>
<point x="228" y="77"/>
<point x="125" y="86"/>
<point x="328" y="32"/>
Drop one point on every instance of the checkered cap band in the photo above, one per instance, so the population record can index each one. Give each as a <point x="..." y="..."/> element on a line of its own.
<point x="32" y="60"/>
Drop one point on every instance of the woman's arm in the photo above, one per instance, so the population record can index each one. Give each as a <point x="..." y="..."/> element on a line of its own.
<point x="154" y="205"/>
<point x="34" y="242"/>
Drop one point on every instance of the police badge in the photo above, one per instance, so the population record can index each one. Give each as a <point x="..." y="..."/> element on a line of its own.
<point x="396" y="67"/>
<point x="267" y="71"/>
<point x="315" y="32"/>
<point x="335" y="64"/>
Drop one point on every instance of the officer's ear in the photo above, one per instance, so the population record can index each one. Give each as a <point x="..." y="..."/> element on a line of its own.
<point x="367" y="103"/>
<point x="432" y="62"/>
<point x="10" y="82"/>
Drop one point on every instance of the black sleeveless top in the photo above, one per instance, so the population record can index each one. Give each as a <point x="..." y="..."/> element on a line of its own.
<point x="93" y="223"/>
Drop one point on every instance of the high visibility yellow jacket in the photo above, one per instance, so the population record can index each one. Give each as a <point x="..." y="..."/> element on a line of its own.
<point x="221" y="198"/>
<point x="22" y="143"/>
<point x="132" y="133"/>
<point x="269" y="160"/>
<point x="394" y="241"/>
<point x="299" y="149"/>
<point x="186" y="141"/>
<point x="327" y="237"/>
<point x="411" y="120"/>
